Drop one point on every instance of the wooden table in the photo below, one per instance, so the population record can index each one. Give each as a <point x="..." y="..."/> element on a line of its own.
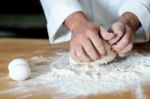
<point x="27" y="48"/>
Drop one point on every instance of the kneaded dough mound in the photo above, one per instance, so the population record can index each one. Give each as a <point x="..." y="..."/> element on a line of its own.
<point x="104" y="60"/>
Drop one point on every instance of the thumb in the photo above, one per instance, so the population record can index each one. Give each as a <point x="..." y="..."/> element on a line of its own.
<point x="106" y="35"/>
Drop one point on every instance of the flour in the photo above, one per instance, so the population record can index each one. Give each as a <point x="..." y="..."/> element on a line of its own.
<point x="75" y="80"/>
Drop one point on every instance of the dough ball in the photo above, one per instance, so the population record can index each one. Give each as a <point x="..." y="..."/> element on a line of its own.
<point x="104" y="60"/>
<point x="17" y="62"/>
<point x="19" y="70"/>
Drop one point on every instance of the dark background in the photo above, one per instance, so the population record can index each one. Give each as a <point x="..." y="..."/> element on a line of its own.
<point x="22" y="19"/>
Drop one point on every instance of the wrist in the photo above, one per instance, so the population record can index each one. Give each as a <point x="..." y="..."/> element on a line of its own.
<point x="131" y="20"/>
<point x="75" y="20"/>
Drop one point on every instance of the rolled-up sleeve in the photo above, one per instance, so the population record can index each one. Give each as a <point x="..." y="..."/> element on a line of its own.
<point x="56" y="12"/>
<point x="141" y="8"/>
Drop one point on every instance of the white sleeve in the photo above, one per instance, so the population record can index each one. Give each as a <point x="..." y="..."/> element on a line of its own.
<point x="141" y="8"/>
<point x="56" y="11"/>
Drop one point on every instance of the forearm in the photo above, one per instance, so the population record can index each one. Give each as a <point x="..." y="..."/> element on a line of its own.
<point x="74" y="20"/>
<point x="131" y="20"/>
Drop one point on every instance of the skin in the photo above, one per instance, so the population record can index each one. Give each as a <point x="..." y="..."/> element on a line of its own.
<point x="124" y="30"/>
<point x="87" y="37"/>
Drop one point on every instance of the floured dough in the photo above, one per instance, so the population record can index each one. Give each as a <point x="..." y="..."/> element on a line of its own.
<point x="104" y="60"/>
<point x="19" y="70"/>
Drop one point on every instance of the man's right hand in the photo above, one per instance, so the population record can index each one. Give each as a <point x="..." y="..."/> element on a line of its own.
<point x="86" y="43"/>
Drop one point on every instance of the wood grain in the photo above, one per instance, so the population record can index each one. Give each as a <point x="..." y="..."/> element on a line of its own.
<point x="27" y="48"/>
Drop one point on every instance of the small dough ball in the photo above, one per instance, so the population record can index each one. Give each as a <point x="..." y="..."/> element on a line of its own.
<point x="19" y="70"/>
<point x="17" y="62"/>
<point x="104" y="60"/>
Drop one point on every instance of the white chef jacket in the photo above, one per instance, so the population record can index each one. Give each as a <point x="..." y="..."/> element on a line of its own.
<point x="103" y="12"/>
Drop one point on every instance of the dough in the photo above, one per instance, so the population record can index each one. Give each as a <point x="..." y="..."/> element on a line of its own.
<point x="104" y="60"/>
<point x="19" y="70"/>
<point x="15" y="62"/>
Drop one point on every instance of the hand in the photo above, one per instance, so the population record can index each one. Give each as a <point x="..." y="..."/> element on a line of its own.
<point x="122" y="43"/>
<point x="86" y="43"/>
<point x="124" y="31"/>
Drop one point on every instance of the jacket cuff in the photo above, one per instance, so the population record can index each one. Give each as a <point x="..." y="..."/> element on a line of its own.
<point x="141" y="11"/>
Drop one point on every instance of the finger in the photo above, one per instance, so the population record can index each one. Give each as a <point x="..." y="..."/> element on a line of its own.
<point x="127" y="49"/>
<point x="90" y="50"/>
<point x="106" y="35"/>
<point x="74" y="55"/>
<point x="98" y="44"/>
<point x="123" y="54"/>
<point x="82" y="56"/>
<point x="118" y="32"/>
<point x="122" y="43"/>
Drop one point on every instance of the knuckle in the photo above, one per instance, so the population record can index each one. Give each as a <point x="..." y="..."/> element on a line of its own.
<point x="80" y="35"/>
<point x="91" y="33"/>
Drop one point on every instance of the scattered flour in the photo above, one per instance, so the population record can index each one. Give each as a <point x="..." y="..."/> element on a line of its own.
<point x="78" y="79"/>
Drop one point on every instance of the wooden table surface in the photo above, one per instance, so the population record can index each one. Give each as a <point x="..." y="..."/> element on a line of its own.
<point x="27" y="48"/>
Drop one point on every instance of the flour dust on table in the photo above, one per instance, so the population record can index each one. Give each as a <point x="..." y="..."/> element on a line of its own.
<point x="85" y="79"/>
